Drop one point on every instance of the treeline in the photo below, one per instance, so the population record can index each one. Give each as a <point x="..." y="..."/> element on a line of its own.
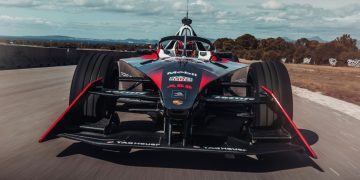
<point x="83" y="45"/>
<point x="249" y="47"/>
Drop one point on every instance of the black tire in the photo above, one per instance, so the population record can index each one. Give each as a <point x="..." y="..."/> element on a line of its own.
<point x="90" y="68"/>
<point x="274" y="76"/>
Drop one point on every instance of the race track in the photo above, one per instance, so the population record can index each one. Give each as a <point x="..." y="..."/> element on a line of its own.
<point x="30" y="99"/>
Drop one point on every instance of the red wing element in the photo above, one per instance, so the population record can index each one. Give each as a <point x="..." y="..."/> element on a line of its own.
<point x="157" y="78"/>
<point x="291" y="122"/>
<point x="67" y="110"/>
<point x="151" y="56"/>
<point x="205" y="79"/>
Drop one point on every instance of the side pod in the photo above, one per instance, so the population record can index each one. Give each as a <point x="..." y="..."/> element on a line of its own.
<point x="291" y="122"/>
<point x="51" y="131"/>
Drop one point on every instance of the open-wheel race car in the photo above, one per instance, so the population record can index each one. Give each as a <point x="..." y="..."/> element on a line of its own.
<point x="196" y="100"/>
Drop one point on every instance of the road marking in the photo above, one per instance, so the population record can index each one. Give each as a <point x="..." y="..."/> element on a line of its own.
<point x="334" y="171"/>
<point x="355" y="149"/>
<point x="352" y="165"/>
<point x="347" y="134"/>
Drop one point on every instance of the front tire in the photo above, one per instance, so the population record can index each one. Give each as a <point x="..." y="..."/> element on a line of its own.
<point x="90" y="68"/>
<point x="274" y="76"/>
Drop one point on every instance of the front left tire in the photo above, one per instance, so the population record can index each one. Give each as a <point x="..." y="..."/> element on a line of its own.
<point x="90" y="68"/>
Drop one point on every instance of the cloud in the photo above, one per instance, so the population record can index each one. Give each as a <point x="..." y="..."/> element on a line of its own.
<point x="140" y="7"/>
<point x="272" y="5"/>
<point x="4" y="19"/>
<point x="203" y="6"/>
<point x="229" y="18"/>
<point x="269" y="19"/>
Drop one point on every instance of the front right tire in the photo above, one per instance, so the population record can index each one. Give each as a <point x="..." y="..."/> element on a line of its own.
<point x="274" y="76"/>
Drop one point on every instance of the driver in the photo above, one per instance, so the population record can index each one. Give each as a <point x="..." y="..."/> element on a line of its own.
<point x="190" y="49"/>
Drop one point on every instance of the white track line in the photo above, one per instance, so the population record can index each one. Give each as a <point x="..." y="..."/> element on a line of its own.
<point x="347" y="108"/>
<point x="334" y="171"/>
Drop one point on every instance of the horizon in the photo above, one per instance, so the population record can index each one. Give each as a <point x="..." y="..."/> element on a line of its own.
<point x="152" y="19"/>
<point x="317" y="38"/>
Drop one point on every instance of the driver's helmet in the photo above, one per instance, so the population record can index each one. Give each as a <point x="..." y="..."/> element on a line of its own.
<point x="190" y="48"/>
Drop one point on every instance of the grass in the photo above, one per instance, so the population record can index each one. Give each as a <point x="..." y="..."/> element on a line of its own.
<point x="338" y="82"/>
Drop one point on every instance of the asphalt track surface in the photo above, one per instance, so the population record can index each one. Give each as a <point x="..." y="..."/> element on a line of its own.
<point x="30" y="99"/>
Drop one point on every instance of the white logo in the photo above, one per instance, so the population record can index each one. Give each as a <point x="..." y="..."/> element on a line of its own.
<point x="182" y="72"/>
<point x="180" y="79"/>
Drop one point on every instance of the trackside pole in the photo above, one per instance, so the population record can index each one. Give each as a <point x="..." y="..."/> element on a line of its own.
<point x="291" y="122"/>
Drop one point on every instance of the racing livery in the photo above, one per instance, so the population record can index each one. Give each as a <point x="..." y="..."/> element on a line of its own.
<point x="193" y="95"/>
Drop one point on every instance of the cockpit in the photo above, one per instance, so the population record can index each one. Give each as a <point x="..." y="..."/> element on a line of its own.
<point x="185" y="46"/>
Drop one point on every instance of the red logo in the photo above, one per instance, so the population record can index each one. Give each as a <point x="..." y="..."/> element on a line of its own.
<point x="180" y="86"/>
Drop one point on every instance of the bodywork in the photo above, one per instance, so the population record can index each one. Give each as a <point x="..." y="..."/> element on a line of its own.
<point x="185" y="94"/>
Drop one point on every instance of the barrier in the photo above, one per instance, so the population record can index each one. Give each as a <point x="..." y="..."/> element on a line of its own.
<point x="18" y="57"/>
<point x="332" y="62"/>
<point x="306" y="60"/>
<point x="353" y="63"/>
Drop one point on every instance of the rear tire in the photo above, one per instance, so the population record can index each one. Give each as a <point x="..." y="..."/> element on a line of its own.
<point x="90" y="68"/>
<point x="274" y="76"/>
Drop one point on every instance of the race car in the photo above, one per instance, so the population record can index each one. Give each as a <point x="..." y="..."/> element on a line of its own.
<point x="195" y="97"/>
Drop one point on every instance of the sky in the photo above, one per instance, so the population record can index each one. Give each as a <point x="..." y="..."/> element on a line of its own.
<point x="153" y="19"/>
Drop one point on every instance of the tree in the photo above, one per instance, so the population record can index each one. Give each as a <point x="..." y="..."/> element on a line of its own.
<point x="246" y="41"/>
<point x="224" y="44"/>
<point x="271" y="56"/>
<point x="346" y="41"/>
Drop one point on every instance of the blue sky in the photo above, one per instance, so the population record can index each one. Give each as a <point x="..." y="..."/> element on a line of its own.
<point x="152" y="19"/>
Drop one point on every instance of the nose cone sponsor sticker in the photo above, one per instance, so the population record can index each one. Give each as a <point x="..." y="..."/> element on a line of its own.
<point x="179" y="94"/>
<point x="182" y="73"/>
<point x="180" y="79"/>
<point x="178" y="102"/>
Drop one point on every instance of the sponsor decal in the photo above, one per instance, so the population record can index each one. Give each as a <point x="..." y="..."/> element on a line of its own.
<point x="123" y="74"/>
<point x="181" y="73"/>
<point x="188" y="86"/>
<point x="178" y="102"/>
<point x="126" y="92"/>
<point x="225" y="149"/>
<point x="234" y="98"/>
<point x="180" y="86"/>
<point x="180" y="79"/>
<point x="137" y="143"/>
<point x="179" y="94"/>
<point x="171" y="86"/>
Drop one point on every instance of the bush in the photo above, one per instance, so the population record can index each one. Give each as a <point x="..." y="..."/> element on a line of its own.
<point x="248" y="47"/>
<point x="271" y="56"/>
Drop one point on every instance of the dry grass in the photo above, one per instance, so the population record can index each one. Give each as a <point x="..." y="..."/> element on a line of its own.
<point x="338" y="82"/>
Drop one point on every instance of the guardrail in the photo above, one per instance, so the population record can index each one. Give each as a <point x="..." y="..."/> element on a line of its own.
<point x="18" y="57"/>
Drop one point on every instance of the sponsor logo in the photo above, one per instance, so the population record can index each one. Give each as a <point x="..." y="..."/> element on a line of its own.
<point x="123" y="74"/>
<point x="171" y="86"/>
<point x="225" y="149"/>
<point x="126" y="92"/>
<point x="179" y="94"/>
<point x="178" y="102"/>
<point x="180" y="86"/>
<point x="182" y="73"/>
<point x="136" y="143"/>
<point x="180" y="79"/>
<point x="234" y="98"/>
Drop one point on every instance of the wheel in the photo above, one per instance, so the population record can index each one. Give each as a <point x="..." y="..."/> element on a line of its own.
<point x="274" y="76"/>
<point x="92" y="67"/>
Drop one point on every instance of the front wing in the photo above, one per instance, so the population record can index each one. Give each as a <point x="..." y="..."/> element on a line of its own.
<point x="156" y="140"/>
